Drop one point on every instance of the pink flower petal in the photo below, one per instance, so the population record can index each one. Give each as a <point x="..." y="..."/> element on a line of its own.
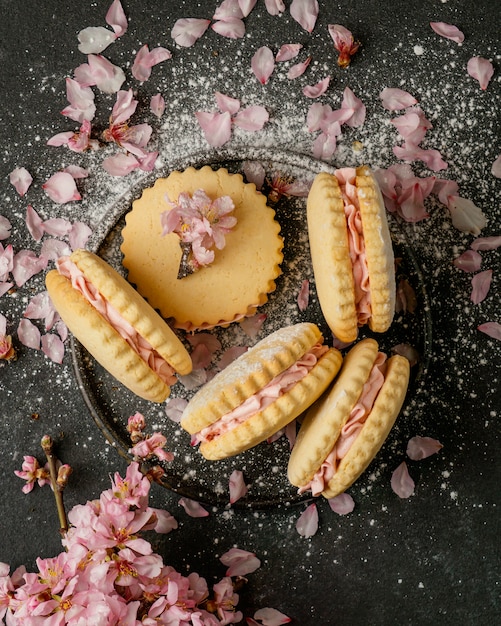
<point x="193" y="508"/>
<point x="229" y="355"/>
<point x="53" y="249"/>
<point x="342" y="504"/>
<point x="466" y="216"/>
<point x="307" y="523"/>
<point x="263" y="64"/>
<point x="4" y="288"/>
<point x="469" y="261"/>
<point x="53" y="347"/>
<point x="394" y="99"/>
<point x="34" y="223"/>
<point x="145" y="59"/>
<point x="350" y="101"/>
<point x="324" y="146"/>
<point x="79" y="235"/>
<point x="60" y="139"/>
<point x="271" y="617"/>
<point x="61" y="188"/>
<point x="21" y="179"/>
<point x="5" y="228"/>
<point x="486" y="243"/>
<point x="94" y="39"/>
<point x="26" y="264"/>
<point x="274" y="7"/>
<point x="246" y="6"/>
<point x="240" y="562"/>
<point x="480" y="284"/>
<point x="216" y="127"/>
<point x="305" y="12"/>
<point x="157" y="105"/>
<point x="254" y="172"/>
<point x="81" y="99"/>
<point x="288" y="51"/>
<point x="251" y="118"/>
<point x="227" y="103"/>
<point x="174" y="409"/>
<point x="237" y="486"/>
<point x="401" y="482"/>
<point x="228" y="9"/>
<point x="186" y="31"/>
<point x="314" y="91"/>
<point x="449" y="31"/>
<point x="407" y="351"/>
<point x="422" y="447"/>
<point x="304" y="295"/>
<point x="493" y="329"/>
<point x="98" y="71"/>
<point x="116" y="18"/>
<point x="233" y="28"/>
<point x="496" y="167"/>
<point x="28" y="334"/>
<point x="298" y="69"/>
<point x="120" y="164"/>
<point x="481" y="69"/>
<point x="252" y="325"/>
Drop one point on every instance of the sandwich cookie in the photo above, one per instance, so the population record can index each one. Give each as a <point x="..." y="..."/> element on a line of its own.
<point x="261" y="392"/>
<point x="345" y="428"/>
<point x="116" y="325"/>
<point x="351" y="252"/>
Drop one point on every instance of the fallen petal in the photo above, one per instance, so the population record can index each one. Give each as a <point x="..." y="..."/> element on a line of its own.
<point x="304" y="295"/>
<point x="493" y="329"/>
<point x="480" y="285"/>
<point x="239" y="562"/>
<point x="314" y="91"/>
<point x="193" y="508"/>
<point x="251" y="118"/>
<point x="394" y="99"/>
<point x="94" y="39"/>
<point x="252" y="325"/>
<point x="79" y="235"/>
<point x="120" y="164"/>
<point x="486" y="243"/>
<point x="227" y="103"/>
<point x="496" y="167"/>
<point x="145" y="59"/>
<point x="21" y="179"/>
<point x="228" y="9"/>
<point x="116" y="18"/>
<point x="254" y="172"/>
<point x="5" y="227"/>
<point x="237" y="486"/>
<point x="466" y="216"/>
<point x="271" y="617"/>
<point x="401" y="482"/>
<point x="246" y="6"/>
<point x="53" y="347"/>
<point x="350" y="101"/>
<point x="28" y="334"/>
<point x="186" y="31"/>
<point x="422" y="447"/>
<point x="157" y="105"/>
<point x="232" y="28"/>
<point x="298" y="69"/>
<point x="61" y="188"/>
<point x="469" y="261"/>
<point x="263" y="64"/>
<point x="449" y="31"/>
<point x="307" y="523"/>
<point x="481" y="69"/>
<point x="274" y="7"/>
<point x="216" y="127"/>
<point x="342" y="504"/>
<point x="34" y="223"/>
<point x="288" y="51"/>
<point x="305" y="12"/>
<point x="174" y="409"/>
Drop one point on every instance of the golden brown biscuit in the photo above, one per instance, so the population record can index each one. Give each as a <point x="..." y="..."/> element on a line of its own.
<point x="98" y="335"/>
<point x="242" y="273"/>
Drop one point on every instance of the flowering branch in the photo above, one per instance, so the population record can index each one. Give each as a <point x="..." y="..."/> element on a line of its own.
<point x="58" y="481"/>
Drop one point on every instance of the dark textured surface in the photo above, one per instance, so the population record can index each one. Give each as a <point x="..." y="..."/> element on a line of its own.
<point x="430" y="559"/>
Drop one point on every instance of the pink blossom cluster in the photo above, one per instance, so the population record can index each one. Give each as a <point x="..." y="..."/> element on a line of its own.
<point x="110" y="574"/>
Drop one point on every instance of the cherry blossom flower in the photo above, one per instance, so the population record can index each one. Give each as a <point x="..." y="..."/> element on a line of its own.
<point x="394" y="99"/>
<point x="271" y="617"/>
<point x="342" y="504"/>
<point x="152" y="446"/>
<point x="288" y="51"/>
<point x="422" y="447"/>
<point x="281" y="185"/>
<point x="481" y="69"/>
<point x="5" y="228"/>
<point x="61" y="188"/>
<point x="496" y="167"/>
<point x="305" y="12"/>
<point x="193" y="508"/>
<point x="480" y="284"/>
<point x="401" y="482"/>
<point x="7" y="351"/>
<point x="344" y="43"/>
<point x="100" y="72"/>
<point x="237" y="486"/>
<point x="239" y="562"/>
<point x="21" y="179"/>
<point x="298" y="69"/>
<point x="492" y="329"/>
<point x="449" y="31"/>
<point x="32" y="473"/>
<point x="263" y="64"/>
<point x="225" y="600"/>
<point x="307" y="523"/>
<point x="317" y="90"/>
<point x="81" y="102"/>
<point x="146" y="59"/>
<point x="186" y="31"/>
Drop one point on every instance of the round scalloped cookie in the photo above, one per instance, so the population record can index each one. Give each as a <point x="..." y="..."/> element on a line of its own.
<point x="242" y="274"/>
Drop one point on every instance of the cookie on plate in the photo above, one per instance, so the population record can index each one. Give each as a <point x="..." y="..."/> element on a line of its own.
<point x="351" y="252"/>
<point x="116" y="325"/>
<point x="261" y="392"/>
<point x="240" y="276"/>
<point x="345" y="428"/>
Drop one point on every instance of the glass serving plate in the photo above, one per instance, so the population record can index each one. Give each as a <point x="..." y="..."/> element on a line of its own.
<point x="265" y="466"/>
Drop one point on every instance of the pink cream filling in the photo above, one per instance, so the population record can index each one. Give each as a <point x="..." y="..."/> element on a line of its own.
<point x="350" y="430"/>
<point x="264" y="397"/>
<point x="157" y="363"/>
<point x="346" y="177"/>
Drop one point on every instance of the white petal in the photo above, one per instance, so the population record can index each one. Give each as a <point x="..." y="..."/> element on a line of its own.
<point x="94" y="39"/>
